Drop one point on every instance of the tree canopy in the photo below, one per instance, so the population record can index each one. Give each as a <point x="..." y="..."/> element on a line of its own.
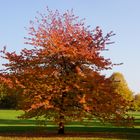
<point x="121" y="85"/>
<point x="60" y="77"/>
<point x="137" y="102"/>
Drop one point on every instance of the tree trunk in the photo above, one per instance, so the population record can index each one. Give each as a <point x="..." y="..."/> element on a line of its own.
<point x="61" y="128"/>
<point x="61" y="123"/>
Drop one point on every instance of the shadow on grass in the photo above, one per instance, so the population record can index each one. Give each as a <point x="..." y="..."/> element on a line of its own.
<point x="24" y="125"/>
<point x="53" y="129"/>
<point x="36" y="131"/>
<point x="32" y="131"/>
<point x="29" y="128"/>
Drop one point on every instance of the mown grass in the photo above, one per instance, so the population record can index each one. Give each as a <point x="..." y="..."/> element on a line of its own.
<point x="12" y="126"/>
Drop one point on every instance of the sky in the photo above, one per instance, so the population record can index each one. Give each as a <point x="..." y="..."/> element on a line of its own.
<point x="120" y="16"/>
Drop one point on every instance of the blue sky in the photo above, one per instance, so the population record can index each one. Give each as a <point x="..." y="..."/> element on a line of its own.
<point x="121" y="16"/>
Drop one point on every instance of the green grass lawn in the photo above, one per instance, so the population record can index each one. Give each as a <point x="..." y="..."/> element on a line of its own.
<point x="10" y="124"/>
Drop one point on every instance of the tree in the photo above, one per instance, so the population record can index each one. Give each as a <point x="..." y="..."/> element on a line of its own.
<point x="61" y="75"/>
<point x="121" y="86"/>
<point x="137" y="102"/>
<point x="8" y="97"/>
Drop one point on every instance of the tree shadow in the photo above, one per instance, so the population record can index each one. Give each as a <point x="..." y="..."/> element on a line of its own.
<point x="29" y="128"/>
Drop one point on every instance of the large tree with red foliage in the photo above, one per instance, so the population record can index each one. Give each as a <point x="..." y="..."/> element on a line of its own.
<point x="60" y="77"/>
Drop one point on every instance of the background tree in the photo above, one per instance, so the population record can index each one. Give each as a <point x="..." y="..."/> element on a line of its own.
<point x="137" y="102"/>
<point x="121" y="85"/>
<point x="8" y="98"/>
<point x="60" y="76"/>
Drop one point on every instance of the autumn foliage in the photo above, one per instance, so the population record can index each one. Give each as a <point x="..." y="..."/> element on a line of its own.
<point x="121" y="86"/>
<point x="60" y="76"/>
